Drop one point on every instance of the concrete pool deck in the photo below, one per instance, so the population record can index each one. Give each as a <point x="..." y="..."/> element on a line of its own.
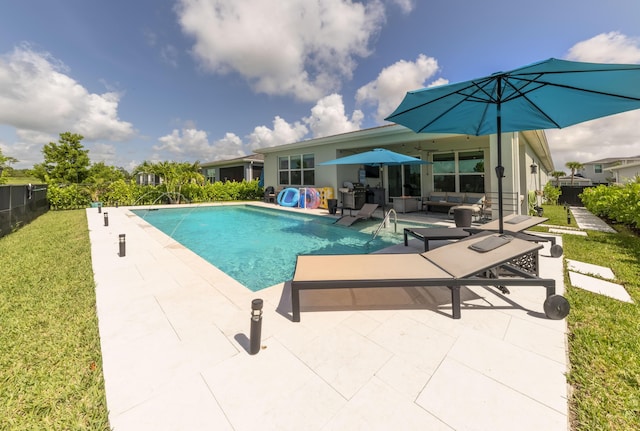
<point x="174" y="335"/>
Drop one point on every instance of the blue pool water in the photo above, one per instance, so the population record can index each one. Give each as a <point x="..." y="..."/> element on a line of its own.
<point x="258" y="246"/>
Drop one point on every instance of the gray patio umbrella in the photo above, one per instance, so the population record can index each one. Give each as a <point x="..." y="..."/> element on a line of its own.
<point x="548" y="94"/>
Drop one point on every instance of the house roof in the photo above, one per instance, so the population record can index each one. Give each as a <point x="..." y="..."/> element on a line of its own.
<point x="612" y="160"/>
<point x="628" y="165"/>
<point x="251" y="158"/>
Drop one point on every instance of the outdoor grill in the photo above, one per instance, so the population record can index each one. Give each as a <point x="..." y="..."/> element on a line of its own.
<point x="354" y="195"/>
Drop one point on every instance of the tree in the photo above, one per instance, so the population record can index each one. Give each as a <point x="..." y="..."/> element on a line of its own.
<point x="65" y="162"/>
<point x="574" y="166"/>
<point x="99" y="178"/>
<point x="5" y="161"/>
<point x="557" y="175"/>
<point x="174" y="175"/>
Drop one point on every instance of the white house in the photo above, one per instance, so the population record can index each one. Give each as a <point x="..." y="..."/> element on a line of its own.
<point x="461" y="163"/>
<point x="238" y="169"/>
<point x="626" y="172"/>
<point x="598" y="170"/>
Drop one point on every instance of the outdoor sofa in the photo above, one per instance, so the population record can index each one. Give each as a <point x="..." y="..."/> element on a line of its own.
<point x="446" y="201"/>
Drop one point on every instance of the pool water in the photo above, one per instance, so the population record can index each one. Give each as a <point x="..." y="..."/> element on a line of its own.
<point x="258" y="246"/>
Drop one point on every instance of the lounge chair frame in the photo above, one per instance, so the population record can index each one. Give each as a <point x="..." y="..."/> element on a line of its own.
<point x="515" y="229"/>
<point x="490" y="274"/>
<point x="364" y="213"/>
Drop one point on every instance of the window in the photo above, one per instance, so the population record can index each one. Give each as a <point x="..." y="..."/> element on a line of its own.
<point x="297" y="170"/>
<point x="460" y="171"/>
<point x="471" y="168"/>
<point x="210" y="174"/>
<point x="598" y="169"/>
<point x="444" y="170"/>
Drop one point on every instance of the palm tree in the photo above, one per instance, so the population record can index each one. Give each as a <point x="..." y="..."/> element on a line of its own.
<point x="574" y="166"/>
<point x="557" y="175"/>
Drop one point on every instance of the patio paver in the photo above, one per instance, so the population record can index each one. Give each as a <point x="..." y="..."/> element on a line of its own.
<point x="174" y="336"/>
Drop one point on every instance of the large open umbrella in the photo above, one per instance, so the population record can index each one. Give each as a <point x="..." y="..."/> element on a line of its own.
<point x="548" y="94"/>
<point x="377" y="157"/>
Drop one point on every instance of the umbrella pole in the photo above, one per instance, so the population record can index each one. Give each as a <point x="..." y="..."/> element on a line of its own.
<point x="499" y="168"/>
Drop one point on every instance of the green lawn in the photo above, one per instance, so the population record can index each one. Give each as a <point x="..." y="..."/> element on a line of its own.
<point x="604" y="334"/>
<point x="50" y="361"/>
<point x="22" y="180"/>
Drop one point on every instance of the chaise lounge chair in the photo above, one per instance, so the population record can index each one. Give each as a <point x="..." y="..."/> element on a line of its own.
<point x="464" y="263"/>
<point x="363" y="213"/>
<point x="513" y="224"/>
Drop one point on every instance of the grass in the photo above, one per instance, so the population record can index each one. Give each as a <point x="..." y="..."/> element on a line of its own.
<point x="51" y="376"/>
<point x="604" y="346"/>
<point x="22" y="180"/>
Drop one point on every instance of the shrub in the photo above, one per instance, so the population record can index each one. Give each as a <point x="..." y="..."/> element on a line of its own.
<point x="551" y="193"/>
<point x="129" y="193"/>
<point x="70" y="196"/>
<point x="618" y="203"/>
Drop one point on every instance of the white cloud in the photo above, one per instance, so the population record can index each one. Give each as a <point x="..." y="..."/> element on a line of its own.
<point x="190" y="144"/>
<point x="614" y="136"/>
<point x="282" y="133"/>
<point x="406" y="6"/>
<point x="328" y="117"/>
<point x="610" y="47"/>
<point x="186" y="144"/>
<point x="106" y="153"/>
<point x="37" y="94"/>
<point x="389" y="88"/>
<point x="295" y="47"/>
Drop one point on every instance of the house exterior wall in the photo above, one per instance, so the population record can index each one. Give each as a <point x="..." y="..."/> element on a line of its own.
<point x="625" y="173"/>
<point x="605" y="175"/>
<point x="519" y="151"/>
<point x="602" y="177"/>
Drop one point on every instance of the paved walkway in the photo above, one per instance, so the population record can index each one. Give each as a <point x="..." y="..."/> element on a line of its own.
<point x="174" y="336"/>
<point x="585" y="220"/>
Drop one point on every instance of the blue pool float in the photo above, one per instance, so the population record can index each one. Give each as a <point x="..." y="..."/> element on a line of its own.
<point x="309" y="198"/>
<point x="288" y="197"/>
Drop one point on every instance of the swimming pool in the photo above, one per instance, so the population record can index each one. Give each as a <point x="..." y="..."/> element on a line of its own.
<point x="258" y="246"/>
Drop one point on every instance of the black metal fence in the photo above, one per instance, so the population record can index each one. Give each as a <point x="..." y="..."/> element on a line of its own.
<point x="570" y="195"/>
<point x="19" y="204"/>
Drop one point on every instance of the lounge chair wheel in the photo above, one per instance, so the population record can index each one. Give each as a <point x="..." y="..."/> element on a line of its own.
<point x="556" y="250"/>
<point x="504" y="290"/>
<point x="556" y="307"/>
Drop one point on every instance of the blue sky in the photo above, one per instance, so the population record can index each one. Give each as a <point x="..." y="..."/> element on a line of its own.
<point x="189" y="80"/>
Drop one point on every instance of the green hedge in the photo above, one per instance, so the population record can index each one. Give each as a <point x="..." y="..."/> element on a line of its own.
<point x="618" y="203"/>
<point x="128" y="193"/>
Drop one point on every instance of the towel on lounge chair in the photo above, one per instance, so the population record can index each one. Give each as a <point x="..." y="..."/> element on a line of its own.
<point x="363" y="213"/>
<point x="514" y="223"/>
<point x="454" y="265"/>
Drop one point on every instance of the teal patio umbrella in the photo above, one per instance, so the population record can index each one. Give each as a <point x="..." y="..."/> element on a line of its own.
<point x="377" y="157"/>
<point x="548" y="94"/>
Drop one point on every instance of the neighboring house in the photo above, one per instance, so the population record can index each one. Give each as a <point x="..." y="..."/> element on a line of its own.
<point x="598" y="170"/>
<point x="461" y="163"/>
<point x="578" y="180"/>
<point x="145" y="179"/>
<point x="242" y="168"/>
<point x="626" y="172"/>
